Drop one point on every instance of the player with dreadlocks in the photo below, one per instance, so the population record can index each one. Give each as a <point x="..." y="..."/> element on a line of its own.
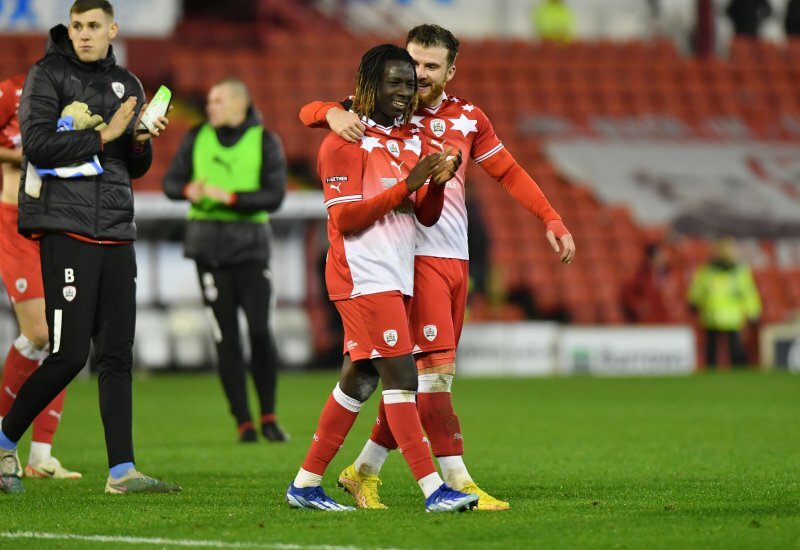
<point x="441" y="276"/>
<point x="374" y="190"/>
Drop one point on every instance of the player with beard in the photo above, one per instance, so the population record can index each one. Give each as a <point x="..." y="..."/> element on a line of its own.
<point x="22" y="274"/>
<point x="440" y="269"/>
<point x="374" y="190"/>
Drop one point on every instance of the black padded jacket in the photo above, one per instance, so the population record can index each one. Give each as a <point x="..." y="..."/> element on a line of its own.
<point x="97" y="207"/>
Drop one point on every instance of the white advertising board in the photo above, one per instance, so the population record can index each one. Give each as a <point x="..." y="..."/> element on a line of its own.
<point x="780" y="346"/>
<point x="626" y="351"/>
<point x="508" y="349"/>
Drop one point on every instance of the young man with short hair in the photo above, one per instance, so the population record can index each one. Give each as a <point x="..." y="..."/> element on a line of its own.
<point x="86" y="230"/>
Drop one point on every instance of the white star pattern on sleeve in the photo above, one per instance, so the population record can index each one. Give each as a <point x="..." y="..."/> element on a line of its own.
<point x="417" y="121"/>
<point x="368" y="143"/>
<point x="413" y="144"/>
<point x="468" y="107"/>
<point x="464" y="125"/>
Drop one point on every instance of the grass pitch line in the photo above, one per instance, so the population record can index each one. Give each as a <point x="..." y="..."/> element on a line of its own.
<point x="172" y="542"/>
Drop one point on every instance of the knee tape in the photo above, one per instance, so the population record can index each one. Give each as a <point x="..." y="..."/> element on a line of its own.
<point x="435" y="383"/>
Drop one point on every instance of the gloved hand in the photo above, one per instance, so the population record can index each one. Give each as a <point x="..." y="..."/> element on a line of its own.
<point x="82" y="117"/>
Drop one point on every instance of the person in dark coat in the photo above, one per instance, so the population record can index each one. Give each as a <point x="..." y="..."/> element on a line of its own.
<point x="76" y="196"/>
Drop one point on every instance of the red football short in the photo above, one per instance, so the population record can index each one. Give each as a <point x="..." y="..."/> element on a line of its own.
<point x="20" y="267"/>
<point x="376" y="325"/>
<point x="440" y="299"/>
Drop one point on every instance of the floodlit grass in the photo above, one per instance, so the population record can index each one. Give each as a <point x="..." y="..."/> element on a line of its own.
<point x="708" y="461"/>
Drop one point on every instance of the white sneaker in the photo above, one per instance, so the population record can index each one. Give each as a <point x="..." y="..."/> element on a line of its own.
<point x="50" y="468"/>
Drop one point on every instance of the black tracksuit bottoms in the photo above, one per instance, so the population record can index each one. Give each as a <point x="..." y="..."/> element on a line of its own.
<point x="90" y="297"/>
<point x="225" y="289"/>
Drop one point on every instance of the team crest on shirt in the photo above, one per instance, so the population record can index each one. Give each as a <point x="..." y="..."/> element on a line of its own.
<point x="390" y="337"/>
<point x="438" y="127"/>
<point x="393" y="147"/>
<point x="21" y="284"/>
<point x="430" y="332"/>
<point x="119" y="88"/>
<point x="70" y="292"/>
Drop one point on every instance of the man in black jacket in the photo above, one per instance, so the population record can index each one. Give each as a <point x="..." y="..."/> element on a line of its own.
<point x="87" y="232"/>
<point x="233" y="172"/>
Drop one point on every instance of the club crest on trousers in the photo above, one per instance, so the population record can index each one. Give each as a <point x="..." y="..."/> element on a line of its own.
<point x="70" y="292"/>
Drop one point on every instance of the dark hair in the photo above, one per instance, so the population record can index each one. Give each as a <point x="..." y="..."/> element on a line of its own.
<point x="434" y="35"/>
<point x="370" y="75"/>
<point x="82" y="6"/>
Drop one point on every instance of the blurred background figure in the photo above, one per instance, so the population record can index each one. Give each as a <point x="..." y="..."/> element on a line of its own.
<point x="792" y="21"/>
<point x="643" y="295"/>
<point x="554" y="20"/>
<point x="725" y="296"/>
<point x="233" y="171"/>
<point x="748" y="15"/>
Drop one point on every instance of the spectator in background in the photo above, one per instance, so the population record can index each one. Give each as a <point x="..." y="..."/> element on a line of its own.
<point x="792" y="21"/>
<point x="723" y="293"/>
<point x="233" y="172"/>
<point x="643" y="295"/>
<point x="747" y="16"/>
<point x="554" y="20"/>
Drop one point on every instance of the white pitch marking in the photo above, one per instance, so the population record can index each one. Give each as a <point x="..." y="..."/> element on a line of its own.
<point x="171" y="542"/>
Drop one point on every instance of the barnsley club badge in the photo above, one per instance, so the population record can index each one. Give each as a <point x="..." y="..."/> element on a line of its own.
<point x="390" y="337"/>
<point x="21" y="284"/>
<point x="438" y="127"/>
<point x="393" y="148"/>
<point x="430" y="332"/>
<point x="70" y="292"/>
<point x="119" y="88"/>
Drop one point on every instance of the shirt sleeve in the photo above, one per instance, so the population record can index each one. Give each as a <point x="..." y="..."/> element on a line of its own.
<point x="340" y="167"/>
<point x="428" y="204"/>
<point x="179" y="173"/>
<point x="486" y="143"/>
<point x="504" y="168"/>
<point x="313" y="115"/>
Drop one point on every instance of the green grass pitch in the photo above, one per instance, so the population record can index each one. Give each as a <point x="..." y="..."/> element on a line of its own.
<point x="707" y="461"/>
